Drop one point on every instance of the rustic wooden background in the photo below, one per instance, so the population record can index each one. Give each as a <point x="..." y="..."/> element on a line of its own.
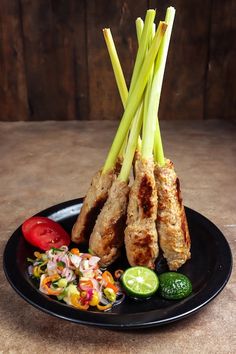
<point x="54" y="63"/>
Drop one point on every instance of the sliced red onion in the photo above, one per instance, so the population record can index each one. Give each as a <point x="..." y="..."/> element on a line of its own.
<point x="68" y="274"/>
<point x="104" y="301"/>
<point x="51" y="268"/>
<point x="88" y="273"/>
<point x="64" y="248"/>
<point x="36" y="263"/>
<point x="94" y="260"/>
<point x="76" y="260"/>
<point x="30" y="270"/>
<point x="65" y="259"/>
<point x="96" y="287"/>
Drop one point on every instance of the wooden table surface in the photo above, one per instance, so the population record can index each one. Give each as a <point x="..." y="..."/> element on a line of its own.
<point x="46" y="163"/>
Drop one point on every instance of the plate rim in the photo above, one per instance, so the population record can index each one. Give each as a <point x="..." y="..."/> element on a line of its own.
<point x="132" y="325"/>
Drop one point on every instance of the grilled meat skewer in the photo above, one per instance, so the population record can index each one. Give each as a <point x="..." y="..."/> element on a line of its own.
<point x="93" y="203"/>
<point x="108" y="233"/>
<point x="140" y="233"/>
<point x="172" y="224"/>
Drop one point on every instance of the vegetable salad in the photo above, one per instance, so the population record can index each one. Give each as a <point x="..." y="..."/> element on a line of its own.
<point x="75" y="278"/>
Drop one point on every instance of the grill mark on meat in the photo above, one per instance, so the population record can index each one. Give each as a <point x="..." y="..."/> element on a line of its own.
<point x="144" y="195"/>
<point x="185" y="230"/>
<point x="145" y="254"/>
<point x="118" y="166"/>
<point x="183" y="227"/>
<point x="91" y="218"/>
<point x="142" y="258"/>
<point x="143" y="242"/>
<point x="114" y="235"/>
<point x="178" y="192"/>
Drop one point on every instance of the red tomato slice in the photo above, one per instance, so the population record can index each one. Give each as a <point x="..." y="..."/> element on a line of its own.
<point x="44" y="233"/>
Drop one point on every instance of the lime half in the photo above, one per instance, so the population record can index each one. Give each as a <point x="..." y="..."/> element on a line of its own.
<point x="140" y="282"/>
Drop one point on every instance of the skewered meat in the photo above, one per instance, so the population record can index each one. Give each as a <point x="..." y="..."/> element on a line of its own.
<point x="140" y="233"/>
<point x="93" y="203"/>
<point x="108" y="233"/>
<point x="95" y="199"/>
<point x="171" y="219"/>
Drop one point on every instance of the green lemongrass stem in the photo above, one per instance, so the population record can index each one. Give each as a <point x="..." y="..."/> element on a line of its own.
<point x="118" y="72"/>
<point x="158" y="146"/>
<point x="146" y="116"/>
<point x="119" y="76"/>
<point x="139" y="144"/>
<point x="149" y="122"/>
<point x="123" y="147"/>
<point x="143" y="44"/>
<point x="123" y="128"/>
<point x="139" y="28"/>
<point x="131" y="146"/>
<point x="157" y="84"/>
<point x="134" y="98"/>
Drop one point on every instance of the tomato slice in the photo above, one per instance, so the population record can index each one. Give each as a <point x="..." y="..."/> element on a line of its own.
<point x="44" y="233"/>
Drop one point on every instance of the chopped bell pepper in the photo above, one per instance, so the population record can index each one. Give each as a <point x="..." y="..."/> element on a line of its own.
<point x="49" y="280"/>
<point x="107" y="277"/>
<point x="103" y="307"/>
<point x="75" y="300"/>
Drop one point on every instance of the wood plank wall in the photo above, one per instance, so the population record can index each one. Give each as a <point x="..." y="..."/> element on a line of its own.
<point x="54" y="63"/>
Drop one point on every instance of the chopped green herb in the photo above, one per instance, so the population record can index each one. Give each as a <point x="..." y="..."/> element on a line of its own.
<point x="54" y="249"/>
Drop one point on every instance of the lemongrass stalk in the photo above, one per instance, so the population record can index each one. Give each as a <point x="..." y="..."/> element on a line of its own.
<point x="131" y="146"/>
<point x="139" y="144"/>
<point x="146" y="116"/>
<point x="157" y="83"/>
<point x="162" y="54"/>
<point x="118" y="72"/>
<point x="139" y="28"/>
<point x="124" y="146"/>
<point x="149" y="84"/>
<point x="149" y="123"/>
<point x="149" y="19"/>
<point x="135" y="142"/>
<point x="119" y="76"/>
<point x="158" y="147"/>
<point x="134" y="98"/>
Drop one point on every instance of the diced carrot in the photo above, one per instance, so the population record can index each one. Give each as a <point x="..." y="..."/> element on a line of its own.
<point x="107" y="277"/>
<point x="75" y="251"/>
<point x="113" y="287"/>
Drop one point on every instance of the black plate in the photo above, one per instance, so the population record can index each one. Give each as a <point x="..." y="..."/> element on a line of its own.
<point x="209" y="270"/>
